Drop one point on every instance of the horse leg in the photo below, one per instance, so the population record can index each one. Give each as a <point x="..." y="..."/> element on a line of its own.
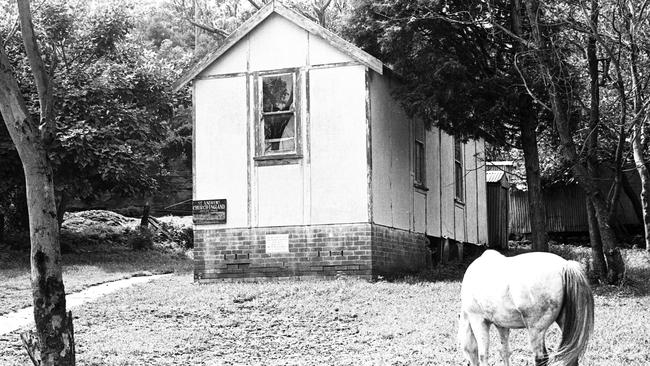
<point x="536" y="338"/>
<point x="504" y="333"/>
<point x="467" y="340"/>
<point x="481" y="329"/>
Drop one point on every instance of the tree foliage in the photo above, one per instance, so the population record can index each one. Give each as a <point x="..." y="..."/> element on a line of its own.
<point x="113" y="103"/>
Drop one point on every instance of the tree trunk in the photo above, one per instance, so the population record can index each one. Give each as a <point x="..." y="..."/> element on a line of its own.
<point x="536" y="204"/>
<point x="644" y="175"/>
<point x="552" y="72"/>
<point x="638" y="133"/>
<point x="597" y="256"/>
<point x="53" y="328"/>
<point x="528" y="123"/>
<point x="53" y="343"/>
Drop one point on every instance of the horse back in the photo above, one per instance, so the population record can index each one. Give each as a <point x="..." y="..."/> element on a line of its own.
<point x="509" y="290"/>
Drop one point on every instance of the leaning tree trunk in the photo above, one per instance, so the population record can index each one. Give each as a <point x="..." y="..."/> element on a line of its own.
<point x="53" y="342"/>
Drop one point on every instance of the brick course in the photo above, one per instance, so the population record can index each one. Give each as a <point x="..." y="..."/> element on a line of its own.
<point x="362" y="250"/>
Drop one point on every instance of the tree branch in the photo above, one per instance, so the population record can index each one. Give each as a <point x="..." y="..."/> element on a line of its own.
<point x="207" y="28"/>
<point x="41" y="77"/>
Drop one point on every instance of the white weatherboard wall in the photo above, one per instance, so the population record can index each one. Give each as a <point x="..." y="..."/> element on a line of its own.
<point x="471" y="198"/>
<point x="339" y="180"/>
<point x="396" y="202"/>
<point x="392" y="184"/>
<point x="329" y="184"/>
<point x="432" y="154"/>
<point x="482" y="192"/>
<point x="447" y="187"/>
<point x="220" y="145"/>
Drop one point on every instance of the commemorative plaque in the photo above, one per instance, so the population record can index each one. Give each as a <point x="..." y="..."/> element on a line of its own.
<point x="209" y="211"/>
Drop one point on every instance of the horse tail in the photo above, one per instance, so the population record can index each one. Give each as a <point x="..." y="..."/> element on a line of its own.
<point x="577" y="314"/>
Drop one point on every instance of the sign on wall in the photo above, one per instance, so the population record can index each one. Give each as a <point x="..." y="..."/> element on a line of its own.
<point x="277" y="243"/>
<point x="209" y="211"/>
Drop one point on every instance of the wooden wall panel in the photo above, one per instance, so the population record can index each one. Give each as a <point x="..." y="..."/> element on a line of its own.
<point x="220" y="145"/>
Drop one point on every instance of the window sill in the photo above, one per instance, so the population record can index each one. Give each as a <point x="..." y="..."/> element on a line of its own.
<point x="420" y="187"/>
<point x="280" y="159"/>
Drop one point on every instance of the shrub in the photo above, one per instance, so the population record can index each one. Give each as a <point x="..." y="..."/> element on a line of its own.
<point x="140" y="238"/>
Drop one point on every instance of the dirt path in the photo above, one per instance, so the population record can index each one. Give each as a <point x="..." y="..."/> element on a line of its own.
<point x="25" y="317"/>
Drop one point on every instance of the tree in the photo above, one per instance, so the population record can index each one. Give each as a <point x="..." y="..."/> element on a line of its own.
<point x="112" y="104"/>
<point x="554" y="68"/>
<point x="53" y="343"/>
<point x="465" y="70"/>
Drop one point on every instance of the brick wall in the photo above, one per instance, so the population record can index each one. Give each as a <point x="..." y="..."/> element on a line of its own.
<point x="361" y="250"/>
<point x="397" y="251"/>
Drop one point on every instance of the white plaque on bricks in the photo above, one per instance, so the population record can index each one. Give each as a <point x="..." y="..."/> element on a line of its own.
<point x="277" y="243"/>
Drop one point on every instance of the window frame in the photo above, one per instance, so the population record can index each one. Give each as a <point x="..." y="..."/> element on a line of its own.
<point x="262" y="157"/>
<point x="419" y="166"/>
<point x="459" y="171"/>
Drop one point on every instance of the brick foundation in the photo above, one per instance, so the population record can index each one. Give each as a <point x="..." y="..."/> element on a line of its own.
<point x="362" y="250"/>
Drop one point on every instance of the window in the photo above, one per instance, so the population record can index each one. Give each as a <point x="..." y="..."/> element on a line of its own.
<point x="277" y="128"/>
<point x="419" y="173"/>
<point x="459" y="170"/>
<point x="418" y="160"/>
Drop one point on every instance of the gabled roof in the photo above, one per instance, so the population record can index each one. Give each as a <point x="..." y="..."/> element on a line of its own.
<point x="299" y="20"/>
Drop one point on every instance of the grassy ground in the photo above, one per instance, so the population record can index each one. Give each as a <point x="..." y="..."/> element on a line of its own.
<point x="92" y="266"/>
<point x="173" y="321"/>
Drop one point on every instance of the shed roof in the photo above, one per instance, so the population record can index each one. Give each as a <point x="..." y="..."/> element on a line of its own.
<point x="298" y="19"/>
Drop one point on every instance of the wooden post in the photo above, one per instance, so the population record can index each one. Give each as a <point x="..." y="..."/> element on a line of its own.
<point x="444" y="258"/>
<point x="144" y="222"/>
<point x="460" y="251"/>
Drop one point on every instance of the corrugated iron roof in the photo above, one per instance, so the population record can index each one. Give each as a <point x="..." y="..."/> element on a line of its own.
<point x="494" y="176"/>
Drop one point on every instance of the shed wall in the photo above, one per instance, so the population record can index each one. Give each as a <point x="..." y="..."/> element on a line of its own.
<point x="392" y="183"/>
<point x="332" y="174"/>
<point x="481" y="192"/>
<point x="339" y="179"/>
<point x="220" y="135"/>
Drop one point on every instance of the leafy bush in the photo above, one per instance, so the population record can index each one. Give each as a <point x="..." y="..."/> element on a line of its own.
<point x="140" y="238"/>
<point x="183" y="236"/>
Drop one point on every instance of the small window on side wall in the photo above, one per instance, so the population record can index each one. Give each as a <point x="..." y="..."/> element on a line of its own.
<point x="277" y="127"/>
<point x="459" y="170"/>
<point x="418" y="160"/>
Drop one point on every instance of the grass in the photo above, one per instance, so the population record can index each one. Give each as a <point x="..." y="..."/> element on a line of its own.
<point x="412" y="321"/>
<point x="91" y="266"/>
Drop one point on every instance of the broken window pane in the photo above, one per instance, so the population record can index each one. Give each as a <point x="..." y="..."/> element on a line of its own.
<point x="277" y="92"/>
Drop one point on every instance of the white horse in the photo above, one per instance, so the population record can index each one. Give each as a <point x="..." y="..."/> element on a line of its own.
<point x="530" y="291"/>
